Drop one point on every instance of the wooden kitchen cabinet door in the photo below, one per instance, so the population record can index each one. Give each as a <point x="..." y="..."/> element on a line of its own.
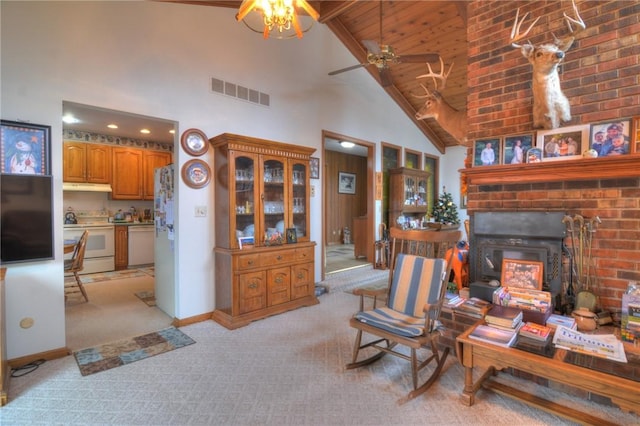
<point x="127" y="174"/>
<point x="151" y="161"/>
<point x="86" y="163"/>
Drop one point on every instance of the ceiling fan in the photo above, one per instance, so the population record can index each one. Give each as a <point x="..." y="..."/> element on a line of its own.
<point x="382" y="55"/>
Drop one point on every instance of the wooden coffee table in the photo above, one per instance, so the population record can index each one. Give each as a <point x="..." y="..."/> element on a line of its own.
<point x="491" y="359"/>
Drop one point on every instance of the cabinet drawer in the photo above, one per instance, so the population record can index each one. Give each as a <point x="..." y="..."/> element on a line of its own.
<point x="279" y="285"/>
<point x="304" y="254"/>
<point x="252" y="291"/>
<point x="277" y="258"/>
<point x="248" y="261"/>
<point x="302" y="281"/>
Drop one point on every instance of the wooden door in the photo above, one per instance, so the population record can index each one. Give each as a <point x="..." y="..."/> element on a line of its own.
<point x="151" y="161"/>
<point x="122" y="247"/>
<point x="127" y="174"/>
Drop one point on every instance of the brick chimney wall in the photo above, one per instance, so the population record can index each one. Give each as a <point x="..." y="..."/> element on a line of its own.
<point x="600" y="76"/>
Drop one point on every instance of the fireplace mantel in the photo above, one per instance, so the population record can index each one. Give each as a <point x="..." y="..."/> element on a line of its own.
<point x="555" y="171"/>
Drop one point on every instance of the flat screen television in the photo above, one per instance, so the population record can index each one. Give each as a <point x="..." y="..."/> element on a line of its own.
<point x="26" y="218"/>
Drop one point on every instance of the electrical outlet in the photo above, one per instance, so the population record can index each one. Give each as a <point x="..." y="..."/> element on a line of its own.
<point x="201" y="211"/>
<point x="313" y="190"/>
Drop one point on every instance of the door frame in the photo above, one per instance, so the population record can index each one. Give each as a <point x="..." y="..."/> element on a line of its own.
<point x="371" y="213"/>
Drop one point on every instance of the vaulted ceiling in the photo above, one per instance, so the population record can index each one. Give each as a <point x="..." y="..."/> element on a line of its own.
<point x="411" y="28"/>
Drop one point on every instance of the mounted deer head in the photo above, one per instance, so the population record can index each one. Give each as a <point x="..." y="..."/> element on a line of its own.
<point x="451" y="120"/>
<point x="550" y="106"/>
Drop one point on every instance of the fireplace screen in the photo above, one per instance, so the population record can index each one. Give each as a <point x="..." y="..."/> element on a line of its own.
<point x="526" y="236"/>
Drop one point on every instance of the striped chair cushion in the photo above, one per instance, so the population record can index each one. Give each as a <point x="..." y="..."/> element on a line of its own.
<point x="416" y="281"/>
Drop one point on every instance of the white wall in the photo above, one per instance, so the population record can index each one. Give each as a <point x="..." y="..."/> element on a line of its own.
<point x="157" y="59"/>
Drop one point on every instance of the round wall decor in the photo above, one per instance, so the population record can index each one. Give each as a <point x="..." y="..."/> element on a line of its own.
<point x="194" y="142"/>
<point x="196" y="173"/>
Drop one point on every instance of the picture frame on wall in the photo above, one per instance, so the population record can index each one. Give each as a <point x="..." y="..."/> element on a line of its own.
<point x="515" y="148"/>
<point x="314" y="167"/>
<point x="25" y="148"/>
<point x="563" y="143"/>
<point x="346" y="183"/>
<point x="611" y="138"/>
<point x="486" y="152"/>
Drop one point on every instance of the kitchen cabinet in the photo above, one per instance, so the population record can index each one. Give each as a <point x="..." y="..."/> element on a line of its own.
<point x="152" y="160"/>
<point x="86" y="163"/>
<point x="407" y="197"/>
<point x="261" y="191"/>
<point x="121" y="247"/>
<point x="133" y="172"/>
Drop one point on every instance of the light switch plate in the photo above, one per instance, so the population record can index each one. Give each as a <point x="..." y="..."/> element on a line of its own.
<point x="201" y="211"/>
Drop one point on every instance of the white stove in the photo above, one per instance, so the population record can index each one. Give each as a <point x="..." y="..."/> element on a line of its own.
<point x="100" y="250"/>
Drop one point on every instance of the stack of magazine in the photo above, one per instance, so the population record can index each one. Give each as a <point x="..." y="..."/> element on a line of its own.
<point x="494" y="336"/>
<point x="504" y="317"/>
<point x="474" y="307"/>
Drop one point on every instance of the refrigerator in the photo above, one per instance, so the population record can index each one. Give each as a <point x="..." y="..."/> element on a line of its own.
<point x="163" y="204"/>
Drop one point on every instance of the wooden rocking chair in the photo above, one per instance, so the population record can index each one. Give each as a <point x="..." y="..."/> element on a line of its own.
<point x="417" y="285"/>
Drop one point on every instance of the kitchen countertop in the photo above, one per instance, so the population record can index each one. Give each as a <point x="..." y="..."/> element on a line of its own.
<point x="115" y="222"/>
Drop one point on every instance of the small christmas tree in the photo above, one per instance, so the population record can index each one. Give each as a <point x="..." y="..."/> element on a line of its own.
<point x="445" y="211"/>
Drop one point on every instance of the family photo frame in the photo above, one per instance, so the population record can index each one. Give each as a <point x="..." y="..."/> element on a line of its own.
<point x="487" y="152"/>
<point x="516" y="147"/>
<point x="563" y="143"/>
<point x="611" y="138"/>
<point x="522" y="274"/>
<point x="25" y="148"/>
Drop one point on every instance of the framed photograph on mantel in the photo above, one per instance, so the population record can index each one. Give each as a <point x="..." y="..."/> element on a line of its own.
<point x="516" y="147"/>
<point x="563" y="143"/>
<point x="486" y="152"/>
<point x="346" y="183"/>
<point x="611" y="138"/>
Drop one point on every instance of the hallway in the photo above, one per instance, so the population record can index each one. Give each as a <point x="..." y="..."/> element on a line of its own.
<point x="339" y="257"/>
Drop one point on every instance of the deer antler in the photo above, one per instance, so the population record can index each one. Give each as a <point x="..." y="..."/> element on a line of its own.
<point x="515" y="31"/>
<point x="578" y="21"/>
<point x="442" y="75"/>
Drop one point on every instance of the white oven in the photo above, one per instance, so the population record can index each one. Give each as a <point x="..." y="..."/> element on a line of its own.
<point x="100" y="251"/>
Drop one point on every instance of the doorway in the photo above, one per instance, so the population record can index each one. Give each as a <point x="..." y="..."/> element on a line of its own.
<point x="117" y="307"/>
<point x="352" y="211"/>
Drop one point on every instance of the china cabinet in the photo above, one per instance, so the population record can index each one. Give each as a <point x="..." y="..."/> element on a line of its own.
<point x="408" y="204"/>
<point x="262" y="193"/>
<point x="86" y="163"/>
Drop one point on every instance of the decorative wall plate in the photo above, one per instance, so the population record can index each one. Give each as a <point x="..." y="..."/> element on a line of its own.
<point x="196" y="173"/>
<point x="194" y="142"/>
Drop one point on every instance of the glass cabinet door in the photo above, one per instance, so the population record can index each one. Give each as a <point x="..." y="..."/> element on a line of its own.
<point x="273" y="202"/>
<point x="245" y="202"/>
<point x="300" y="200"/>
<point x="421" y="192"/>
<point x="409" y="191"/>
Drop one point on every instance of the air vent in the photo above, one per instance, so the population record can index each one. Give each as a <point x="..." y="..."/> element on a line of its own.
<point x="240" y="92"/>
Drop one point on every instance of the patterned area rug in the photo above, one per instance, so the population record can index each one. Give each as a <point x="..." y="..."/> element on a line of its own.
<point x="113" y="275"/>
<point x="111" y="355"/>
<point x="148" y="297"/>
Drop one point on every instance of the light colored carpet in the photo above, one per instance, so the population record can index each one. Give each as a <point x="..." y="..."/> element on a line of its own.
<point x="287" y="369"/>
<point x="341" y="257"/>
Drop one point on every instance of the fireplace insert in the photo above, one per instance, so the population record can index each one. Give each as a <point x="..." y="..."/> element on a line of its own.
<point x="530" y="236"/>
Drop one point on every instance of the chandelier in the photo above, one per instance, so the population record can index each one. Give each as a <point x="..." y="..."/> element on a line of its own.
<point x="277" y="15"/>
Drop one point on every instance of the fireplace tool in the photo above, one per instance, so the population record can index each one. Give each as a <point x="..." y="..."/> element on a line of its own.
<point x="581" y="270"/>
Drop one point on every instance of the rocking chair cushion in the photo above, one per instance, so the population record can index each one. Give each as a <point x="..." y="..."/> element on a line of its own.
<point x="416" y="281"/>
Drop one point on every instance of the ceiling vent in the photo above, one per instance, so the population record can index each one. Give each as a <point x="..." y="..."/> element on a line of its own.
<point x="239" y="92"/>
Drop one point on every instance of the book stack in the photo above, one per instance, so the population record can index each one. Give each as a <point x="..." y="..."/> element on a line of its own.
<point x="535" y="304"/>
<point x="494" y="336"/>
<point x="538" y="332"/>
<point x="504" y="317"/>
<point x="474" y="307"/>
<point x="453" y="300"/>
<point x="555" y="320"/>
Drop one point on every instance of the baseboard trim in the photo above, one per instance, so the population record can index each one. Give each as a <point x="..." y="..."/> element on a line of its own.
<point x="191" y="320"/>
<point x="47" y="356"/>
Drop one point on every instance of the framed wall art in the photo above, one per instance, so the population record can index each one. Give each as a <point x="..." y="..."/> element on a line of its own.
<point x="25" y="148"/>
<point x="194" y="142"/>
<point x="196" y="173"/>
<point x="611" y="138"/>
<point x="346" y="183"/>
<point x="314" y="166"/>
<point x="486" y="152"/>
<point x="563" y="143"/>
<point x="515" y="148"/>
<point x="522" y="274"/>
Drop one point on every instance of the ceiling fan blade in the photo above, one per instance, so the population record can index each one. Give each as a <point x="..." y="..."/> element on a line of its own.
<point x="353" y="67"/>
<point x="426" y="57"/>
<point x="372" y="46"/>
<point x="385" y="77"/>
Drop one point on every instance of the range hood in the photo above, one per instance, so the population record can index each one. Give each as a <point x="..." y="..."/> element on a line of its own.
<point x="86" y="187"/>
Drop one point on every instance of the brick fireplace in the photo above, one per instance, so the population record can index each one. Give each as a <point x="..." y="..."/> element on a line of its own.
<point x="600" y="77"/>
